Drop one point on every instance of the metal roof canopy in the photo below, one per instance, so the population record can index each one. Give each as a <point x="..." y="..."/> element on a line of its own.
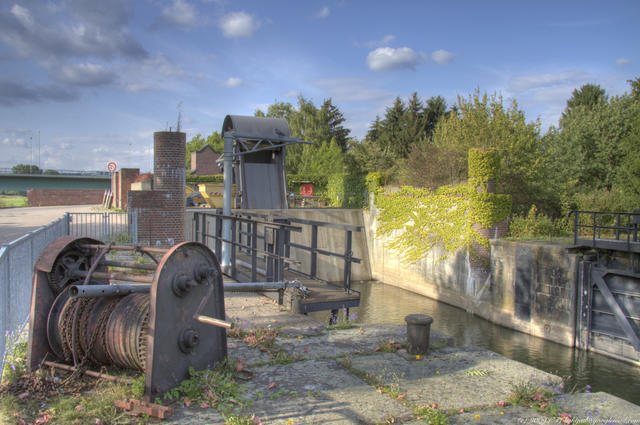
<point x="254" y="134"/>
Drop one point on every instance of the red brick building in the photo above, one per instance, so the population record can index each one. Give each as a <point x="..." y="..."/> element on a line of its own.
<point x="204" y="162"/>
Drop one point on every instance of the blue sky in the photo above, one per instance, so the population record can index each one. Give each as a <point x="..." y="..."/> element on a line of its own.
<point x="97" y="78"/>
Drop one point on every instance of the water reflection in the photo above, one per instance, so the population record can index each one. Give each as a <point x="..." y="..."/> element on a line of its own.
<point x="386" y="304"/>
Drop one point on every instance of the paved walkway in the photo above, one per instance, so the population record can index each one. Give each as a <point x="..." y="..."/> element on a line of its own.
<point x="16" y="222"/>
<point x="329" y="379"/>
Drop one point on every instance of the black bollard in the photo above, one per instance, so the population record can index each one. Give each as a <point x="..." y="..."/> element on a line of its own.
<point x="418" y="329"/>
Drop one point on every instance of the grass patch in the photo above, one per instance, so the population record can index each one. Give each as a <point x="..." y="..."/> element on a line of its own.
<point x="12" y="201"/>
<point x="431" y="415"/>
<point x="210" y="388"/>
<point x="65" y="406"/>
<point x="537" y="397"/>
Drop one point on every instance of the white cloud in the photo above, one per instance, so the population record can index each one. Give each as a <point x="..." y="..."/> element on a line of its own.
<point x="536" y="81"/>
<point x="291" y="93"/>
<point x="233" y="82"/>
<point x="442" y="56"/>
<point x="238" y="25"/>
<point x="323" y="13"/>
<point x="88" y="74"/>
<point x="388" y="58"/>
<point x="623" y="61"/>
<point x="180" y="14"/>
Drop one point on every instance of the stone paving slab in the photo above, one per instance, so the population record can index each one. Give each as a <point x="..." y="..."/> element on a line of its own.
<point x="599" y="408"/>
<point x="252" y="311"/>
<point x="455" y="378"/>
<point x="317" y="390"/>
<point x="363" y="339"/>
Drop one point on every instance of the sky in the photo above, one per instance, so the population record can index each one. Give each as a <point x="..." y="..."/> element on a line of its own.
<point x="84" y="83"/>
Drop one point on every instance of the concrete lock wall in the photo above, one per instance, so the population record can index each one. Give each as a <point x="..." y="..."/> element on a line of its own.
<point x="531" y="286"/>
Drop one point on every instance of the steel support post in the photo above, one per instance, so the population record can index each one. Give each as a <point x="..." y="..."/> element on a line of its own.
<point x="226" y="204"/>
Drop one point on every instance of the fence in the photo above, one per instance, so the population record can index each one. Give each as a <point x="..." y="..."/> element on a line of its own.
<point x="18" y="258"/>
<point x="119" y="227"/>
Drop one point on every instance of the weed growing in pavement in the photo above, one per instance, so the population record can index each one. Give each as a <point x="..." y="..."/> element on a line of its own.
<point x="242" y="420"/>
<point x="431" y="415"/>
<point x="536" y="396"/>
<point x="210" y="388"/>
<point x="388" y="346"/>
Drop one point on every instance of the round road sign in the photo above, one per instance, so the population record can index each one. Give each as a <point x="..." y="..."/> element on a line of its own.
<point x="112" y="167"/>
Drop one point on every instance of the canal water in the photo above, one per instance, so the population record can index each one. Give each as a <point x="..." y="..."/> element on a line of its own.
<point x="382" y="303"/>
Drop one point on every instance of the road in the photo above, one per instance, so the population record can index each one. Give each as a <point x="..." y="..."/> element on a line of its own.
<point x="15" y="222"/>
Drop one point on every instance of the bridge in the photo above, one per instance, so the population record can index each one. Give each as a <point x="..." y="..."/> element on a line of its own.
<point x="23" y="182"/>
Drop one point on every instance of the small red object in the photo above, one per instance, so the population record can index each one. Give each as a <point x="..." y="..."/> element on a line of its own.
<point x="306" y="189"/>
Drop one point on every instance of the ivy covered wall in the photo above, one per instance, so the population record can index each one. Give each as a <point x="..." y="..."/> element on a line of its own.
<point x="414" y="220"/>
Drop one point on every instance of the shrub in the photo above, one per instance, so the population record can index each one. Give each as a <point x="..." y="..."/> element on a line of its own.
<point x="536" y="225"/>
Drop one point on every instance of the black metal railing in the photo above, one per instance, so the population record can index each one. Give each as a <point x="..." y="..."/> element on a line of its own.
<point x="600" y="229"/>
<point x="266" y="238"/>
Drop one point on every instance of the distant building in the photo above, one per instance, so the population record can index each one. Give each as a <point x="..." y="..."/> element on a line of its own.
<point x="204" y="162"/>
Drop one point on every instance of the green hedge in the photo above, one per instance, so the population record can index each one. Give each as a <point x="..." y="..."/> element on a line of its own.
<point x="212" y="178"/>
<point x="295" y="180"/>
<point x="347" y="190"/>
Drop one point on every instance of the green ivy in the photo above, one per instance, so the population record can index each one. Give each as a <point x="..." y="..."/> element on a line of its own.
<point x="417" y="219"/>
<point x="484" y="165"/>
<point x="374" y="180"/>
<point x="346" y="190"/>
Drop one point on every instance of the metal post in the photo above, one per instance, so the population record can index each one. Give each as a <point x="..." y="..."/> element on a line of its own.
<point x="347" y="260"/>
<point x="218" y="240"/>
<point x="226" y="204"/>
<point x="254" y="253"/>
<point x="203" y="229"/>
<point x="233" y="250"/>
<point x="314" y="254"/>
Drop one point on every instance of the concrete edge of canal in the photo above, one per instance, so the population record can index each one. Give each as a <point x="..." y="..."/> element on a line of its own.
<point x="360" y="376"/>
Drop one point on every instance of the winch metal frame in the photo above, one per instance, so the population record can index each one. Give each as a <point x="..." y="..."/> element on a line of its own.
<point x="186" y="327"/>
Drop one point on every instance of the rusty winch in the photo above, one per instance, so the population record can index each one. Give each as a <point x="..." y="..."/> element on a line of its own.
<point x="160" y="316"/>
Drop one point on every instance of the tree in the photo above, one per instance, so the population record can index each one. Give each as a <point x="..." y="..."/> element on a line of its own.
<point x="434" y="110"/>
<point x="26" y="169"/>
<point x="322" y="160"/>
<point x="588" y="96"/>
<point x="197" y="142"/>
<point x="596" y="148"/>
<point x="635" y="88"/>
<point x="307" y="122"/>
<point x="483" y="121"/>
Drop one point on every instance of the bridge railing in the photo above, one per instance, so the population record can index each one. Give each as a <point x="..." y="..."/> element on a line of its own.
<point x="599" y="229"/>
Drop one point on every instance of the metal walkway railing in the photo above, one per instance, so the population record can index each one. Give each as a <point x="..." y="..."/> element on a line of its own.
<point x="270" y="240"/>
<point x="607" y="230"/>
